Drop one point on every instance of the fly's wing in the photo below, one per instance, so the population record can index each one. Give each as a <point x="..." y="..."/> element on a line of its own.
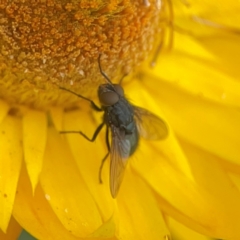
<point x="150" y="126"/>
<point x="120" y="150"/>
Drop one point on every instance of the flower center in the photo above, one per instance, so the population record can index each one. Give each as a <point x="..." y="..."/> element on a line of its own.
<point x="48" y="43"/>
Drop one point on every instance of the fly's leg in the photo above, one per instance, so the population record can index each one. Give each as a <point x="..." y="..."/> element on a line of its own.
<point x="104" y="159"/>
<point x="93" y="105"/>
<point x="101" y="167"/>
<point x="92" y="140"/>
<point x="85" y="136"/>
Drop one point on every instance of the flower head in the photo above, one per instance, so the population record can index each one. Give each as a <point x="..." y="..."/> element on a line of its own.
<point x="186" y="185"/>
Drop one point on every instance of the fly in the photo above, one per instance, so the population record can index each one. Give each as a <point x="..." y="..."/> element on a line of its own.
<point x="126" y="123"/>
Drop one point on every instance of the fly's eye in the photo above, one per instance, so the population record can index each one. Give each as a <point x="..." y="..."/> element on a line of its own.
<point x="119" y="89"/>
<point x="108" y="98"/>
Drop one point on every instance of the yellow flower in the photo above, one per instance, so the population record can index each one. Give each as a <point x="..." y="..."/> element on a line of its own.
<point x="185" y="187"/>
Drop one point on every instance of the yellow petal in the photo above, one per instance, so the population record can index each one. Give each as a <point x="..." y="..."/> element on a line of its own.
<point x="218" y="183"/>
<point x="13" y="231"/>
<point x="211" y="126"/>
<point x="226" y="62"/>
<point x="34" y="142"/>
<point x="57" y="117"/>
<point x="35" y="214"/>
<point x="88" y="156"/>
<point x="179" y="231"/>
<point x="195" y="194"/>
<point x="3" y="110"/>
<point x="10" y="164"/>
<point x="139" y="214"/>
<point x="106" y="230"/>
<point x="203" y="201"/>
<point x="65" y="190"/>
<point x="235" y="178"/>
<point x="220" y="12"/>
<point x="202" y="68"/>
<point x="205" y="65"/>
<point x="170" y="146"/>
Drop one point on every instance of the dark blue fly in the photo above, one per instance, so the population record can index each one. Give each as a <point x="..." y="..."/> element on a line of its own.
<point x="126" y="123"/>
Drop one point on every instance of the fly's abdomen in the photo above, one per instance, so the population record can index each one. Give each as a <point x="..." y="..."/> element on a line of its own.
<point x="133" y="138"/>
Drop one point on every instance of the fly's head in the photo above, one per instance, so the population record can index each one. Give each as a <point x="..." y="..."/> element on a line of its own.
<point x="110" y="94"/>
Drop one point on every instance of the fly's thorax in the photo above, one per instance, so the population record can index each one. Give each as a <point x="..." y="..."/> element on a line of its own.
<point x="119" y="114"/>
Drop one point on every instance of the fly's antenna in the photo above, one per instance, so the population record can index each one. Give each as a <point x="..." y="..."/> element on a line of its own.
<point x="120" y="82"/>
<point x="105" y="76"/>
<point x="103" y="73"/>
